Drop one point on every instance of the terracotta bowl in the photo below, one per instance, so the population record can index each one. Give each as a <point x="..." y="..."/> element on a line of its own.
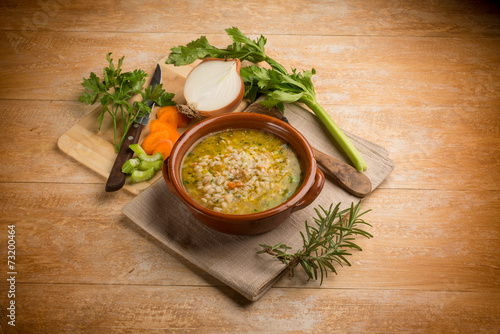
<point x="245" y="224"/>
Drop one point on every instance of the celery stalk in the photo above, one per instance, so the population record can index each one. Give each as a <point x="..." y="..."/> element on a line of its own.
<point x="339" y="136"/>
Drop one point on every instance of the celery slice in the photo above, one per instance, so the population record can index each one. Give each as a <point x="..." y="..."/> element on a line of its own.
<point x="142" y="175"/>
<point x="150" y="158"/>
<point x="129" y="165"/>
<point x="145" y="165"/>
<point x="137" y="149"/>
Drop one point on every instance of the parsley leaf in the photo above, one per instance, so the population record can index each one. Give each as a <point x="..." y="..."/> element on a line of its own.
<point x="114" y="92"/>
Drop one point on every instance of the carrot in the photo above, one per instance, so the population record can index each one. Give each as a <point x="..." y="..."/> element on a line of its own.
<point x="168" y="114"/>
<point x="169" y="117"/>
<point x="182" y="120"/>
<point x="164" y="147"/>
<point x="153" y="138"/>
<point x="167" y="109"/>
<point x="232" y="185"/>
<point x="173" y="135"/>
<point x="162" y="129"/>
<point x="159" y="125"/>
<point x="171" y="114"/>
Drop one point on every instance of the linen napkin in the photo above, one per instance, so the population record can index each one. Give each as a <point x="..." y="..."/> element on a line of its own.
<point x="231" y="259"/>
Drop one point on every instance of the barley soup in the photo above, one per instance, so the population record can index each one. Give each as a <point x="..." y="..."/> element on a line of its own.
<point x="241" y="171"/>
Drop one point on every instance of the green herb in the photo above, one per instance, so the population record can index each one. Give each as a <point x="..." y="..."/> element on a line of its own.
<point x="276" y="83"/>
<point x="325" y="244"/>
<point x="114" y="92"/>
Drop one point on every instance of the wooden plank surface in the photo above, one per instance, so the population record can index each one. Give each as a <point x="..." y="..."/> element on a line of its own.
<point x="181" y="309"/>
<point x="417" y="77"/>
<point x="89" y="225"/>
<point x="427" y="154"/>
<point x="301" y="17"/>
<point x="418" y="71"/>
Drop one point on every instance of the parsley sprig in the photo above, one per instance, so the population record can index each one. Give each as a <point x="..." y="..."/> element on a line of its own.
<point x="114" y="92"/>
<point x="277" y="84"/>
<point x="324" y="244"/>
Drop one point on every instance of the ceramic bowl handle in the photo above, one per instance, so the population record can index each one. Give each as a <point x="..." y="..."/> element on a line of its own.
<point x="166" y="177"/>
<point x="313" y="192"/>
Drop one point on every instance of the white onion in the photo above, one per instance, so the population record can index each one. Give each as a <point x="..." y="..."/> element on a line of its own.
<point x="214" y="87"/>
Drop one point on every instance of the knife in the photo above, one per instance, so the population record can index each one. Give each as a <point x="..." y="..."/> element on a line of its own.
<point x="342" y="173"/>
<point x="116" y="178"/>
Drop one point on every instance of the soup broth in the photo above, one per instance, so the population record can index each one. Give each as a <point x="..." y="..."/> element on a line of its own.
<point x="241" y="171"/>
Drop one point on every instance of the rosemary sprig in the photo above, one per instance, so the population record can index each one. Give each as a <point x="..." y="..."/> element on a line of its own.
<point x="325" y="244"/>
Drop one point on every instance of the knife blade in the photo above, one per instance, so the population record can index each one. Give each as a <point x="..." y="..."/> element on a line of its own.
<point x="116" y="178"/>
<point x="348" y="177"/>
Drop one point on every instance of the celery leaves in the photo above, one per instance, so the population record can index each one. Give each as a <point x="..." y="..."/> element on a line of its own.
<point x="277" y="84"/>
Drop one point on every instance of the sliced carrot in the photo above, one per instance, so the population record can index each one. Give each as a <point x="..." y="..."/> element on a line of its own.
<point x="164" y="147"/>
<point x="172" y="115"/>
<point x="169" y="117"/>
<point x="167" y="109"/>
<point x="173" y="135"/>
<point x="159" y="125"/>
<point x="152" y="139"/>
<point x="182" y="120"/>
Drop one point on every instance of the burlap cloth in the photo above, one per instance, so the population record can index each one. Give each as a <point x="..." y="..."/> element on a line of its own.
<point x="233" y="259"/>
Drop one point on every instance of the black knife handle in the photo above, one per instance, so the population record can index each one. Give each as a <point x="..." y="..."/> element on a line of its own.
<point x="116" y="178"/>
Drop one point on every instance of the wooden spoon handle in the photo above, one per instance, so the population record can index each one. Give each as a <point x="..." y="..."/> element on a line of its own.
<point x="346" y="176"/>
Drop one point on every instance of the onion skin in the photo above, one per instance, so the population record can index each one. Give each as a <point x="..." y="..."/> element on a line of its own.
<point x="235" y="103"/>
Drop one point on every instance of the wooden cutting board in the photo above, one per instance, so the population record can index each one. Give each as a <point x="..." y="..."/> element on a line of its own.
<point x="95" y="149"/>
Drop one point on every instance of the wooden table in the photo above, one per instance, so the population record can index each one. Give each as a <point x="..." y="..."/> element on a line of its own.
<point x="420" y="78"/>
